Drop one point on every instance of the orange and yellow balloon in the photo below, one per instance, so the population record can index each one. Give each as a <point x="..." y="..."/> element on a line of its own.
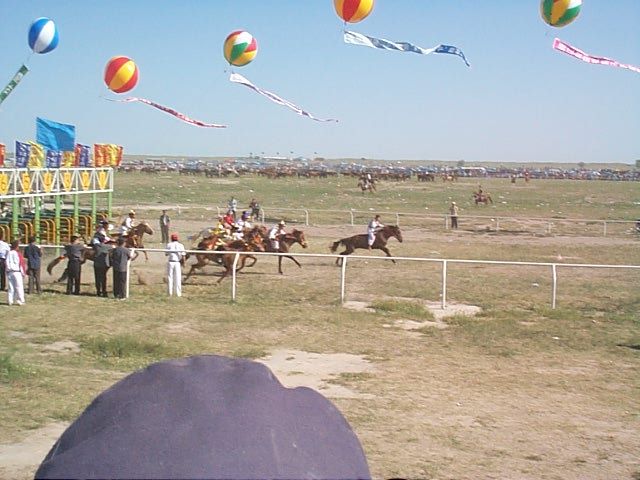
<point x="121" y="74"/>
<point x="353" y="11"/>
<point x="240" y="48"/>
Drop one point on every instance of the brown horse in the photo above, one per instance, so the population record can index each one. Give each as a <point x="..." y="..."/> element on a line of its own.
<point x="285" y="242"/>
<point x="361" y="241"/>
<point x="208" y="244"/>
<point x="482" y="198"/>
<point x="365" y="185"/>
<point x="134" y="239"/>
<point x="254" y="243"/>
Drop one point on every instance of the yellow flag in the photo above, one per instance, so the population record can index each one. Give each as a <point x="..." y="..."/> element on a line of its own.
<point x="36" y="155"/>
<point x="68" y="159"/>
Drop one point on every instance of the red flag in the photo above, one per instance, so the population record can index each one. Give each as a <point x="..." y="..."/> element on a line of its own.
<point x="2" y="148"/>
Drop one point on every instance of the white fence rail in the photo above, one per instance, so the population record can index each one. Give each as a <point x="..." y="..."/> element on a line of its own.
<point x="306" y="216"/>
<point x="554" y="267"/>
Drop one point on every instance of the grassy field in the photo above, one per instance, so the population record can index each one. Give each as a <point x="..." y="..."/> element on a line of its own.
<point x="518" y="391"/>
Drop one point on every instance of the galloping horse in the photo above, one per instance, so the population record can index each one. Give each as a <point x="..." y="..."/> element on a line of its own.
<point x="134" y="239"/>
<point x="285" y="242"/>
<point x="361" y="241"/>
<point x="482" y="198"/>
<point x="365" y="185"/>
<point x="208" y="244"/>
<point x="253" y="244"/>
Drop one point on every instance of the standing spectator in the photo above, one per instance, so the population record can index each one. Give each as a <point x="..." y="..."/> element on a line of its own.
<point x="165" y="223"/>
<point x="33" y="254"/>
<point x="101" y="264"/>
<point x="4" y="250"/>
<point x="73" y="252"/>
<point x="372" y="228"/>
<point x="233" y="206"/>
<point x="120" y="257"/>
<point x="176" y="254"/>
<point x="453" y="213"/>
<point x="15" y="273"/>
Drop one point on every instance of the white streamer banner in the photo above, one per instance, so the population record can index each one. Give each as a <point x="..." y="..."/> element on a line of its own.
<point x="585" y="57"/>
<point x="237" y="78"/>
<point x="170" y="111"/>
<point x="355" y="38"/>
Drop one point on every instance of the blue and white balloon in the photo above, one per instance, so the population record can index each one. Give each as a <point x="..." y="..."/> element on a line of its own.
<point x="43" y="35"/>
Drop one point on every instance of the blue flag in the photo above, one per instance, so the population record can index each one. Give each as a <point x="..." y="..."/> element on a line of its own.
<point x="55" y="136"/>
<point x="23" y="150"/>
<point x="53" y="159"/>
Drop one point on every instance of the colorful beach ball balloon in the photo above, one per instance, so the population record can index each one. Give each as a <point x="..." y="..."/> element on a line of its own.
<point x="121" y="74"/>
<point x="559" y="13"/>
<point x="352" y="11"/>
<point x="43" y="35"/>
<point x="240" y="48"/>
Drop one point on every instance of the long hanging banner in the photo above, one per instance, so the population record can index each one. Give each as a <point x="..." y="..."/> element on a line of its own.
<point x="237" y="78"/>
<point x="585" y="57"/>
<point x="355" y="38"/>
<point x="170" y="111"/>
<point x="22" y="71"/>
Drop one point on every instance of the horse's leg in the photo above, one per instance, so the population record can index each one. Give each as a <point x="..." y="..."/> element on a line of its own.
<point x="294" y="261"/>
<point x="280" y="264"/>
<point x="252" y="257"/>
<point x="386" y="250"/>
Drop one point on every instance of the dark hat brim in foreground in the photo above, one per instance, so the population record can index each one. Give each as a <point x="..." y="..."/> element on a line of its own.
<point x="207" y="417"/>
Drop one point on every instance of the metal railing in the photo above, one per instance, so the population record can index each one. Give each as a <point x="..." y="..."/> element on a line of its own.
<point x="554" y="267"/>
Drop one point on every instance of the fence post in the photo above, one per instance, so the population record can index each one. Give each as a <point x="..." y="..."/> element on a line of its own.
<point x="343" y="274"/>
<point x="351" y="213"/>
<point x="398" y="219"/>
<point x="497" y="224"/>
<point x="446" y="222"/>
<point x="126" y="292"/>
<point x="262" y="215"/>
<point x="554" y="285"/>
<point x="549" y="228"/>
<point x="306" y="218"/>
<point x="233" y="276"/>
<point x="605" y="228"/>
<point x="444" y="284"/>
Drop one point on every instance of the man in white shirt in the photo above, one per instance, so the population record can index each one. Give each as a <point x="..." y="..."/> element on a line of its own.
<point x="274" y="235"/>
<point x="176" y="254"/>
<point x="15" y="274"/>
<point x="4" y="250"/>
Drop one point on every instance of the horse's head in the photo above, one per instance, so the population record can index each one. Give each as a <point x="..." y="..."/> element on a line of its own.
<point x="144" y="227"/>
<point x="299" y="236"/>
<point x="394" y="231"/>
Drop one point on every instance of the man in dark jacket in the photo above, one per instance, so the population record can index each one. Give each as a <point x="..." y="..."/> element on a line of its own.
<point x="120" y="257"/>
<point x="74" y="252"/>
<point x="33" y="254"/>
<point x="101" y="264"/>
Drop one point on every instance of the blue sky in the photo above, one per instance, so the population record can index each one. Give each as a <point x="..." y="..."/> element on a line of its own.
<point x="520" y="102"/>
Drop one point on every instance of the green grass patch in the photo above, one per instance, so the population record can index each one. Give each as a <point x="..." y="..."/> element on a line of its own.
<point x="125" y="346"/>
<point x="250" y="352"/>
<point x="403" y="307"/>
<point x="11" y="369"/>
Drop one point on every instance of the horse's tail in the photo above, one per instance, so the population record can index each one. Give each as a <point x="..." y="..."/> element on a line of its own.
<point x="53" y="263"/>
<point x="335" y="245"/>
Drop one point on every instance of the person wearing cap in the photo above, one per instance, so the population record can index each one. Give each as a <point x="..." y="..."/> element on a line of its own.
<point x="372" y="228"/>
<point x="73" y="251"/>
<point x="128" y="224"/>
<point x="176" y="256"/>
<point x="275" y="233"/>
<point x="241" y="225"/>
<point x="101" y="265"/>
<point x="165" y="223"/>
<point x="453" y="213"/>
<point x="119" y="260"/>
<point x="101" y="235"/>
